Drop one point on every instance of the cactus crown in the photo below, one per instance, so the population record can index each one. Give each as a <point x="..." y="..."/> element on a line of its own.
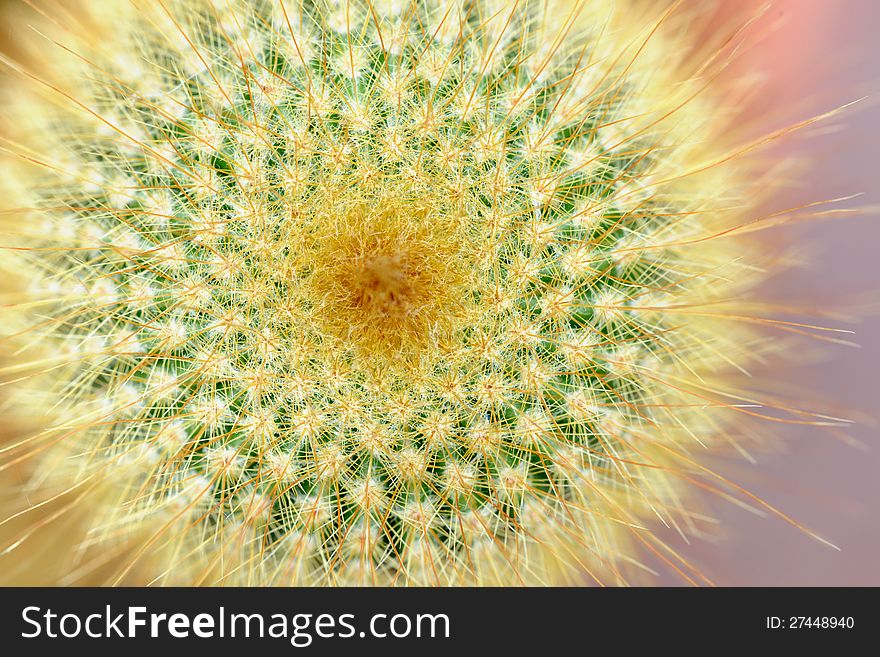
<point x="380" y="292"/>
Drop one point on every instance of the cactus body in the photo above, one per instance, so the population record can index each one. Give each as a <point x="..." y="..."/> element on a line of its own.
<point x="386" y="293"/>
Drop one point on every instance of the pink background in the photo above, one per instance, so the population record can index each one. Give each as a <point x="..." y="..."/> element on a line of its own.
<point x="824" y="53"/>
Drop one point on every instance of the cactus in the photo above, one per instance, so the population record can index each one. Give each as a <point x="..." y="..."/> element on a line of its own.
<point x="373" y="292"/>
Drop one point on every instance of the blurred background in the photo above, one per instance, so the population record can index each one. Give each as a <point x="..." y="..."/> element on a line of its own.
<point x="817" y="55"/>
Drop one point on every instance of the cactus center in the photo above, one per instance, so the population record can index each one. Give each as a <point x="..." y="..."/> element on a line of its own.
<point x="388" y="282"/>
<point x="385" y="284"/>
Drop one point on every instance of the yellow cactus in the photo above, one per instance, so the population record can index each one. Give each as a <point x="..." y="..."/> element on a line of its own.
<point x="369" y="292"/>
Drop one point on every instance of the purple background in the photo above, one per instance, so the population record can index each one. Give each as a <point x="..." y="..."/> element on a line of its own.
<point x="824" y="54"/>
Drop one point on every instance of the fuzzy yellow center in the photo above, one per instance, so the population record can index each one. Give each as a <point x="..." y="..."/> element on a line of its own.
<point x="388" y="282"/>
<point x="385" y="285"/>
